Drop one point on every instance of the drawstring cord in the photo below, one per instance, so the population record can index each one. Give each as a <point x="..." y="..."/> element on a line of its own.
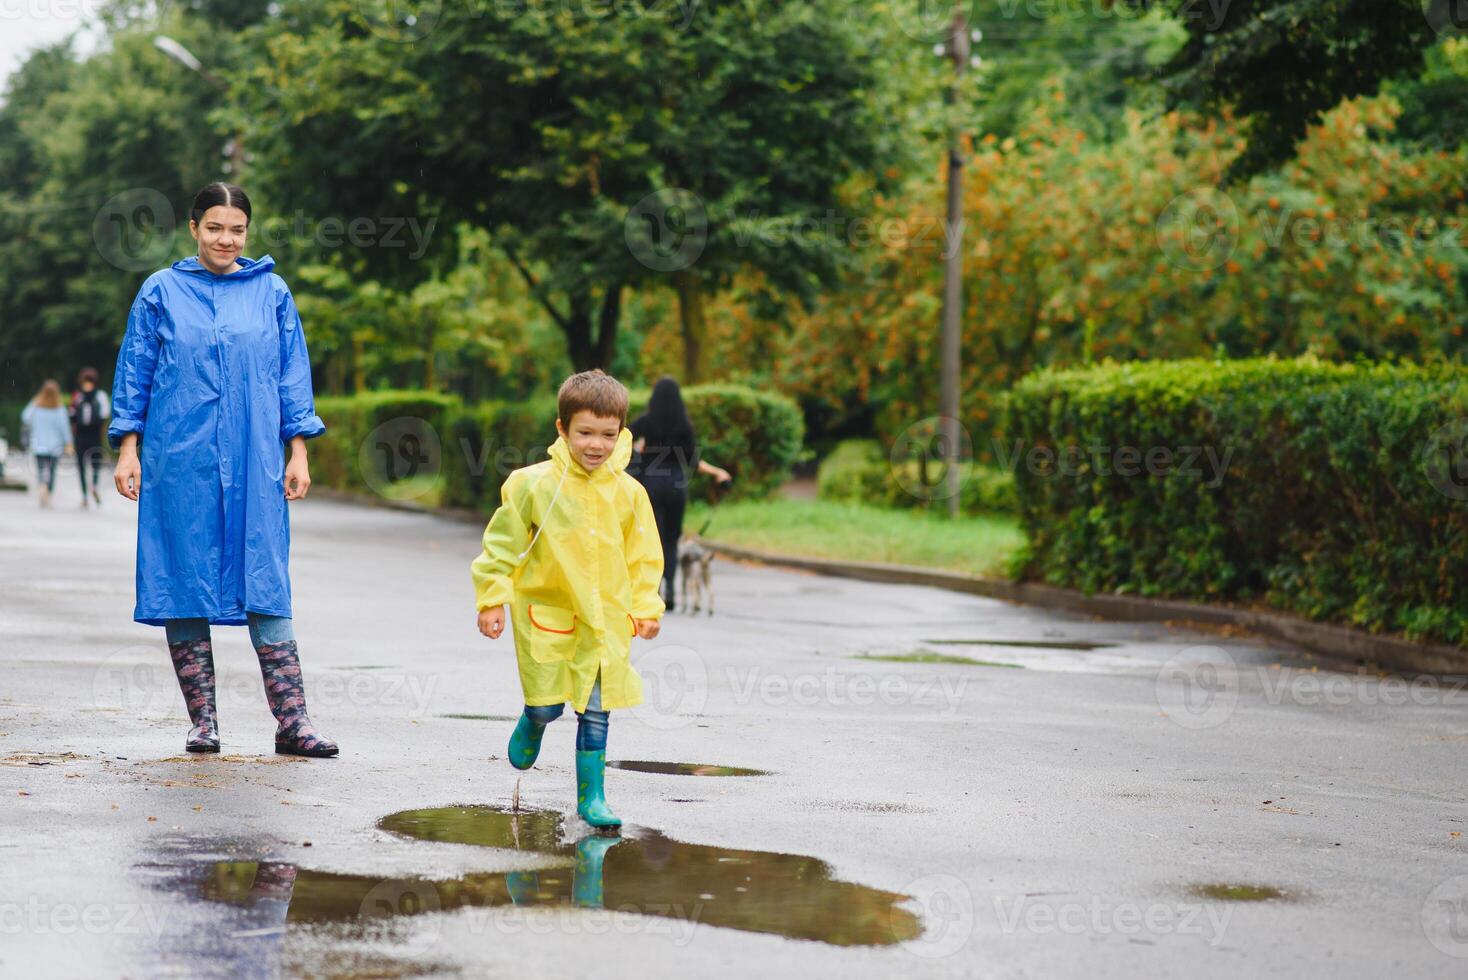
<point x="548" y="510"/>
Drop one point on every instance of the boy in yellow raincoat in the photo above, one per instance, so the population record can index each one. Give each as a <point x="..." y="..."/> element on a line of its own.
<point x="574" y="550"/>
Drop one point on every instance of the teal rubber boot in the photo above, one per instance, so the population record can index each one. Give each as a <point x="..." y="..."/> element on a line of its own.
<point x="591" y="799"/>
<point x="586" y="878"/>
<point x="525" y="743"/>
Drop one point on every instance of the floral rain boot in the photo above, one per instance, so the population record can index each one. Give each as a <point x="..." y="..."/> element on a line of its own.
<point x="193" y="665"/>
<point x="286" y="692"/>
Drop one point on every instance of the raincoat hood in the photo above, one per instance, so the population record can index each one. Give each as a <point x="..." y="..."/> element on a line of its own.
<point x="560" y="451"/>
<point x="249" y="268"/>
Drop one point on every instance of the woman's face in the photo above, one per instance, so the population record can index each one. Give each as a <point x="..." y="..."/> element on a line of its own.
<point x="221" y="236"/>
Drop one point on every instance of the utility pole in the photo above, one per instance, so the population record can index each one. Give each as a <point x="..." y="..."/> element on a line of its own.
<point x="957" y="49"/>
<point x="235" y="148"/>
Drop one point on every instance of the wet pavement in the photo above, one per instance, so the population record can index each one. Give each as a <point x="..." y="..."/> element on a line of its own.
<point x="831" y="777"/>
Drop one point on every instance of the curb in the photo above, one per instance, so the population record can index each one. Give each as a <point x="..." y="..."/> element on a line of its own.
<point x="1340" y="642"/>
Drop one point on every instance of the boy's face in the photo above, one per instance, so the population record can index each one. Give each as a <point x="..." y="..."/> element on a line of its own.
<point x="591" y="437"/>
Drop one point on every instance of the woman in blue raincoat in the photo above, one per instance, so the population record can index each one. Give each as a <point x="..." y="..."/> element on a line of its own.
<point x="213" y="380"/>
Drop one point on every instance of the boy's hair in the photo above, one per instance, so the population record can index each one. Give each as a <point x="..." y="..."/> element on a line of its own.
<point x="592" y="391"/>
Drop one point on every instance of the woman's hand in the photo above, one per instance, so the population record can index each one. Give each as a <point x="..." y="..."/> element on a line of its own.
<point x="719" y="474"/>
<point x="647" y="628"/>
<point x="128" y="475"/>
<point x="297" y="472"/>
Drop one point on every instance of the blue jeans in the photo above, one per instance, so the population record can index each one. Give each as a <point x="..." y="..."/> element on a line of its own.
<point x="263" y="629"/>
<point x="46" y="472"/>
<point x="591" y="724"/>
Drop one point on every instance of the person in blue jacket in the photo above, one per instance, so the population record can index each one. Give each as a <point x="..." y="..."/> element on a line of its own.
<point x="212" y="382"/>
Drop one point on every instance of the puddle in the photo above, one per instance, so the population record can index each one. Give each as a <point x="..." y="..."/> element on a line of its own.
<point x="933" y="658"/>
<point x="683" y="769"/>
<point x="1035" y="644"/>
<point x="643" y="872"/>
<point x="1231" y="892"/>
<point x="482" y="717"/>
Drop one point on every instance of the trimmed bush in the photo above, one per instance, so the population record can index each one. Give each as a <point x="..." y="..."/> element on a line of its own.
<point x="753" y="434"/>
<point x="1324" y="489"/>
<point x="858" y="470"/>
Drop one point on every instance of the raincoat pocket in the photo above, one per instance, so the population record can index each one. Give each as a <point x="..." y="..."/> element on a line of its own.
<point x="552" y="633"/>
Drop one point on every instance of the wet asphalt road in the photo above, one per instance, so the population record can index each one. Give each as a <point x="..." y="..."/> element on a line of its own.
<point x="1044" y="812"/>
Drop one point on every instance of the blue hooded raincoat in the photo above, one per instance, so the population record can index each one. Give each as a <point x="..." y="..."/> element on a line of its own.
<point x="213" y="374"/>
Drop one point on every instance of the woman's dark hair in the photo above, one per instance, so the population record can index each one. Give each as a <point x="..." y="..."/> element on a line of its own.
<point x="86" y="374"/>
<point x="219" y="195"/>
<point x="667" y="417"/>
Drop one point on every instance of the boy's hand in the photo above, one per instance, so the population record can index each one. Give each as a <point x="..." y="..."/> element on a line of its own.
<point x="647" y="628"/>
<point x="492" y="621"/>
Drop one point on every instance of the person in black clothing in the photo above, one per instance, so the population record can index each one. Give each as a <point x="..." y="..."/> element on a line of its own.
<point x="665" y="452"/>
<point x="90" y="410"/>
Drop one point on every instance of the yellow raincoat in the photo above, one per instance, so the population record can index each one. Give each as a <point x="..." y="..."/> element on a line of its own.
<point x="577" y="556"/>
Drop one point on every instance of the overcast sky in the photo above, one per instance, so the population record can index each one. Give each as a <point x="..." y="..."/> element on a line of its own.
<point x="27" y="24"/>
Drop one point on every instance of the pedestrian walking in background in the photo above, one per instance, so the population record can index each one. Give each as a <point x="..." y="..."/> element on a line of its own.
<point x="90" y="410"/>
<point x="666" y="450"/>
<point x="213" y="380"/>
<point x="48" y="429"/>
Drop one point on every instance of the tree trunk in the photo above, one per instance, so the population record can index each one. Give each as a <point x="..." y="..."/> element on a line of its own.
<point x="695" y="326"/>
<point x="359" y="373"/>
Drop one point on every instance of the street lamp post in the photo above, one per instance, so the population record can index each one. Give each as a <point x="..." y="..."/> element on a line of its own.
<point x="235" y="148"/>
<point x="957" y="49"/>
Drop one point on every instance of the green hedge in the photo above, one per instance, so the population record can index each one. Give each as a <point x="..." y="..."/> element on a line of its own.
<point x="432" y="448"/>
<point x="753" y="434"/>
<point x="1317" y="497"/>
<point x="857" y="470"/>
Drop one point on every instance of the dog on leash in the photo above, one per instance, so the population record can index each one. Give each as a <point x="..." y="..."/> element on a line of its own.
<point x="693" y="564"/>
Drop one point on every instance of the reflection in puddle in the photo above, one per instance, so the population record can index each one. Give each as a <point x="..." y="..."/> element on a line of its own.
<point x="923" y="657"/>
<point x="642" y="873"/>
<point x="683" y="769"/>
<point x="645" y="872"/>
